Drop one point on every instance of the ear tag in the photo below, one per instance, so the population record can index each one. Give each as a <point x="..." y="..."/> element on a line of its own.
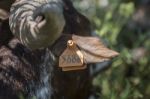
<point x="71" y="58"/>
<point x="74" y="68"/>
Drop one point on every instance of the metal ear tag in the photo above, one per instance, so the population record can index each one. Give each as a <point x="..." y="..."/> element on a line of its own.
<point x="72" y="58"/>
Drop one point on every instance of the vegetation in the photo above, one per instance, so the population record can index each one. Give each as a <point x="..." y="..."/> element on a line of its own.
<point x="124" y="26"/>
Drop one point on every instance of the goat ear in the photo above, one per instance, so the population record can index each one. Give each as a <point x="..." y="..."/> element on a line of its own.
<point x="93" y="49"/>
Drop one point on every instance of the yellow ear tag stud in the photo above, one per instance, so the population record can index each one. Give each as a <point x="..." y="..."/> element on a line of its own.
<point x="72" y="58"/>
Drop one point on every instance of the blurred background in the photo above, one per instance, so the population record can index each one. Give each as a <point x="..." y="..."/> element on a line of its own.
<point x="123" y="25"/>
